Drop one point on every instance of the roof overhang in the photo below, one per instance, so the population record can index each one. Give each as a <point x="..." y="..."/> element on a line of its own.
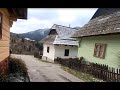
<point x="20" y="13"/>
<point x="115" y="33"/>
<point x="17" y="13"/>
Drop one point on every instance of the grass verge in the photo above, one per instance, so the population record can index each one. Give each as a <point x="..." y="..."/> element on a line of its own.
<point x="83" y="76"/>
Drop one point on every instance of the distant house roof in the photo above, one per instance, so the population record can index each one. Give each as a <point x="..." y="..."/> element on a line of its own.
<point x="49" y="39"/>
<point x="62" y="36"/>
<point x="102" y="25"/>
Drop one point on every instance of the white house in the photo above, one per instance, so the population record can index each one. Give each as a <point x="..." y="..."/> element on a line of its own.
<point x="59" y="44"/>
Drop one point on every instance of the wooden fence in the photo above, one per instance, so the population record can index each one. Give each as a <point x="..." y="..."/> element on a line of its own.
<point x="100" y="71"/>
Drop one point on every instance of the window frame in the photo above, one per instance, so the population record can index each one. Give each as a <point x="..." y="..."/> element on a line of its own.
<point x="48" y="49"/>
<point x="100" y="53"/>
<point x="67" y="53"/>
<point x="1" y="22"/>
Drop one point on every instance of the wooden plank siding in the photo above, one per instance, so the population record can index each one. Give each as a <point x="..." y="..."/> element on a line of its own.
<point x="5" y="33"/>
<point x="4" y="49"/>
<point x="5" y="38"/>
<point x="4" y="42"/>
<point x="4" y="55"/>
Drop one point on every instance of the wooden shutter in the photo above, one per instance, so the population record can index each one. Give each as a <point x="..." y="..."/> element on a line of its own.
<point x="102" y="50"/>
<point x="96" y="50"/>
<point x="99" y="50"/>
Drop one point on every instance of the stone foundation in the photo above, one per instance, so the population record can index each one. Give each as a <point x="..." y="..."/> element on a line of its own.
<point x="4" y="66"/>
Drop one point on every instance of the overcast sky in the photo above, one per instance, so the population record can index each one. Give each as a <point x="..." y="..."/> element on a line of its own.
<point x="40" y="18"/>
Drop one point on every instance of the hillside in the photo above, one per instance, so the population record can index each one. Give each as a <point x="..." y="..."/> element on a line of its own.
<point x="27" y="43"/>
<point x="36" y="35"/>
<point x="23" y="46"/>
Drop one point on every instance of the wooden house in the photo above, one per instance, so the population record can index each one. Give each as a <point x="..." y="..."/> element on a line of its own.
<point x="59" y="44"/>
<point x="7" y="16"/>
<point x="99" y="39"/>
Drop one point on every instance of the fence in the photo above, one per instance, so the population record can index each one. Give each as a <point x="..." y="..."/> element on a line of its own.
<point x="100" y="71"/>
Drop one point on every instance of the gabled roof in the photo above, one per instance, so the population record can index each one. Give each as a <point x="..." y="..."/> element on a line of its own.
<point x="102" y="25"/>
<point x="49" y="39"/>
<point x="63" y="36"/>
<point x="104" y="11"/>
<point x="63" y="31"/>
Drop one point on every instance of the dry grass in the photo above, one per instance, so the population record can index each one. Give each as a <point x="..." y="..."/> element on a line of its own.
<point x="83" y="76"/>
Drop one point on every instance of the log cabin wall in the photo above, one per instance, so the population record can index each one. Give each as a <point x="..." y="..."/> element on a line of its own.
<point x="4" y="40"/>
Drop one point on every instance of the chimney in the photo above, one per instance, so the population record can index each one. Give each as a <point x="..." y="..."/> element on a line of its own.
<point x="69" y="25"/>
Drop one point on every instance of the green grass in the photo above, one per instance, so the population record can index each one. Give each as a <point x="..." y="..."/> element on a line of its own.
<point x="83" y="76"/>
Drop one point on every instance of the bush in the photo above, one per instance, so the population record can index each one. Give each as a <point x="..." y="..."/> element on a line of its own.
<point x="3" y="78"/>
<point x="17" y="66"/>
<point x="73" y="63"/>
<point x="17" y="69"/>
<point x="37" y="55"/>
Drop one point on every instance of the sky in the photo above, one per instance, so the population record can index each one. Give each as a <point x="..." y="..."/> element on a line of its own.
<point x="41" y="18"/>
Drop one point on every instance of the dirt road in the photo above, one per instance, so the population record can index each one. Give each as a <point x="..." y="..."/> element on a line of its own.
<point x="45" y="72"/>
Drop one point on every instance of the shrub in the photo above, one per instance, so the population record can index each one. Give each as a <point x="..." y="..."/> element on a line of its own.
<point x="16" y="70"/>
<point x="3" y="78"/>
<point x="37" y="55"/>
<point x="17" y="65"/>
<point x="70" y="62"/>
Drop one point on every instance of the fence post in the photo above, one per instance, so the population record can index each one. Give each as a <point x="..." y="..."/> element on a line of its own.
<point x="109" y="74"/>
<point x="114" y="75"/>
<point x="119" y="75"/>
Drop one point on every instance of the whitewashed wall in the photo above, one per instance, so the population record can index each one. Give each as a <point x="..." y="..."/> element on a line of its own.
<point x="60" y="50"/>
<point x="51" y="53"/>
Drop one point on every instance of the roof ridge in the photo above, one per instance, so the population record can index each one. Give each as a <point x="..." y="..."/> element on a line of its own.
<point x="64" y="26"/>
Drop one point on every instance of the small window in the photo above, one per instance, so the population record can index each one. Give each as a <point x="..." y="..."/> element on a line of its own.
<point x="48" y="49"/>
<point x="99" y="50"/>
<point x="66" y="52"/>
<point x="0" y="25"/>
